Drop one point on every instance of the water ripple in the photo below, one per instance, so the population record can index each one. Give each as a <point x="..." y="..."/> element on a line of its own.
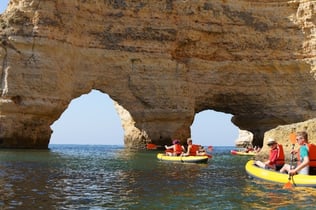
<point x="108" y="177"/>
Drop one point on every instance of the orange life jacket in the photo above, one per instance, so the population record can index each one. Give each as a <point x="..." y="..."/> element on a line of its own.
<point x="178" y="149"/>
<point x="194" y="149"/>
<point x="311" y="155"/>
<point x="280" y="159"/>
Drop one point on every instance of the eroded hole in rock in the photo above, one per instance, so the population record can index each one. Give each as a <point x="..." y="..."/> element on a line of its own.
<point x="89" y="119"/>
<point x="213" y="128"/>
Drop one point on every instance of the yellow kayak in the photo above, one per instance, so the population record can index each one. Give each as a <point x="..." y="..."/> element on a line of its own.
<point x="186" y="159"/>
<point x="236" y="152"/>
<point x="277" y="177"/>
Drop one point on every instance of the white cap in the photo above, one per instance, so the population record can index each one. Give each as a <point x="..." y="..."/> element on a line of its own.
<point x="271" y="141"/>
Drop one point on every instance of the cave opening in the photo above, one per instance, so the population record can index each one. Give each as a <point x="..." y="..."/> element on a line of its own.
<point x="89" y="119"/>
<point x="213" y="128"/>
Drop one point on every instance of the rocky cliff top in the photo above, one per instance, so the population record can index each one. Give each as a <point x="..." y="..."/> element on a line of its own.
<point x="160" y="61"/>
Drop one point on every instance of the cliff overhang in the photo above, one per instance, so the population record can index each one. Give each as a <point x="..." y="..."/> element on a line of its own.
<point x="160" y="61"/>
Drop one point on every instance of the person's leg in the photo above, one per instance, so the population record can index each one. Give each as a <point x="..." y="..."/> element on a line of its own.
<point x="285" y="168"/>
<point x="304" y="170"/>
<point x="260" y="164"/>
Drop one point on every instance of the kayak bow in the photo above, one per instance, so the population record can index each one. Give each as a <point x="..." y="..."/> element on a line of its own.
<point x="277" y="177"/>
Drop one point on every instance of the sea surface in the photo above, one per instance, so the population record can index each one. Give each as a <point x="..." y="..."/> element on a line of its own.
<point x="110" y="177"/>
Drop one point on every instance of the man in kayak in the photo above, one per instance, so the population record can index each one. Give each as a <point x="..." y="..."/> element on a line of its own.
<point x="176" y="149"/>
<point x="276" y="157"/>
<point x="193" y="149"/>
<point x="303" y="164"/>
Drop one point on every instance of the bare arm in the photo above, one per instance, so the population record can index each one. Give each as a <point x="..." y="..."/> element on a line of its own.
<point x="169" y="147"/>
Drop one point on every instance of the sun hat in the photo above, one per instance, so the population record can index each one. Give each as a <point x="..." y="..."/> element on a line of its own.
<point x="271" y="141"/>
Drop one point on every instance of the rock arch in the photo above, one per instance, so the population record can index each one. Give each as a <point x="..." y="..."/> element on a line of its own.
<point x="163" y="61"/>
<point x="90" y="118"/>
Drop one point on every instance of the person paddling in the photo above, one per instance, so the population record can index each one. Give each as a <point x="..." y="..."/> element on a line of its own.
<point x="302" y="166"/>
<point x="176" y="149"/>
<point x="193" y="149"/>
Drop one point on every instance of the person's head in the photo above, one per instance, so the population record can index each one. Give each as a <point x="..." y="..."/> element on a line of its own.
<point x="176" y="141"/>
<point x="189" y="141"/>
<point x="272" y="142"/>
<point x="301" y="137"/>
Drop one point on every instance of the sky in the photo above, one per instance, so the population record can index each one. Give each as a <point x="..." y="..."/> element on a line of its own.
<point x="92" y="119"/>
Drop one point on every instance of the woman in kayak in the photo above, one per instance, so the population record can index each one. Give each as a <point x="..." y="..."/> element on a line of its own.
<point x="176" y="149"/>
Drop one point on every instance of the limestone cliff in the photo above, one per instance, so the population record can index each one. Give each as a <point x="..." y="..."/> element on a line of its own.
<point x="244" y="139"/>
<point x="161" y="61"/>
<point x="282" y="135"/>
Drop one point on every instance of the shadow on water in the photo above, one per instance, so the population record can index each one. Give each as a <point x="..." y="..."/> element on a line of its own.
<point x="110" y="177"/>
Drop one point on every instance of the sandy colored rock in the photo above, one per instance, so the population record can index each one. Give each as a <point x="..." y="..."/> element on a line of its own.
<point x="244" y="139"/>
<point x="282" y="135"/>
<point x="160" y="61"/>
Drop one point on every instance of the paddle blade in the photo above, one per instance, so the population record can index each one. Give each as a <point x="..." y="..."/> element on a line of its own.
<point x="288" y="185"/>
<point x="151" y="146"/>
<point x="209" y="149"/>
<point x="293" y="138"/>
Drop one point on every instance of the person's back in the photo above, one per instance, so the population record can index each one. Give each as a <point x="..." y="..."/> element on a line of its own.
<point x="177" y="149"/>
<point x="193" y="149"/>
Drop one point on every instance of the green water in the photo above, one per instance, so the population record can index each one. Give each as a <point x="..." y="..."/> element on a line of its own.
<point x="108" y="177"/>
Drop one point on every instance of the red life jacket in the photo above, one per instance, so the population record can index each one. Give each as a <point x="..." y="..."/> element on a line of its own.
<point x="178" y="149"/>
<point x="280" y="159"/>
<point x="194" y="148"/>
<point x="311" y="155"/>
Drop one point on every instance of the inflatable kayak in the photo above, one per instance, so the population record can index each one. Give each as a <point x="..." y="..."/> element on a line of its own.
<point x="186" y="159"/>
<point x="236" y="152"/>
<point x="277" y="177"/>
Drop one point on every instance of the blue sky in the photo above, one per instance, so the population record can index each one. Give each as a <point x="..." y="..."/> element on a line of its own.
<point x="92" y="119"/>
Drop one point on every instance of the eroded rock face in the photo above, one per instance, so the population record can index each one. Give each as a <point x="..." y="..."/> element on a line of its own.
<point x="244" y="139"/>
<point x="161" y="61"/>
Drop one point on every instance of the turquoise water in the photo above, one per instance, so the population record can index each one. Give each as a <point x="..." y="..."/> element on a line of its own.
<point x="109" y="177"/>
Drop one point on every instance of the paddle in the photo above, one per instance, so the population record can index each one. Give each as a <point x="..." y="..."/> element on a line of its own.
<point x="208" y="151"/>
<point x="289" y="185"/>
<point x="151" y="146"/>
